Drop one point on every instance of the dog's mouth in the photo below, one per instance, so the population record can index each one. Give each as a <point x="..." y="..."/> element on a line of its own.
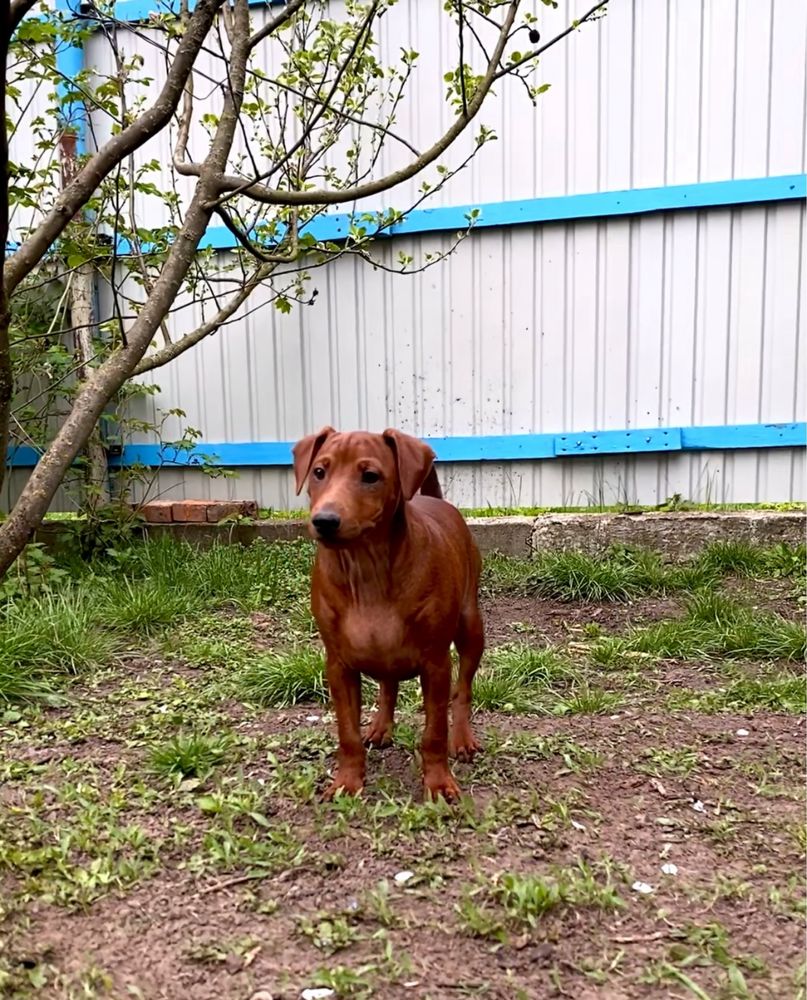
<point x="337" y="537"/>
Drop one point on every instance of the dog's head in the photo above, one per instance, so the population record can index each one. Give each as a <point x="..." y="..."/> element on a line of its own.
<point x="356" y="481"/>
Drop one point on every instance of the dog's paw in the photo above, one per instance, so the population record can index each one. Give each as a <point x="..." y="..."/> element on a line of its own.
<point x="463" y="744"/>
<point x="441" y="784"/>
<point x="378" y="734"/>
<point x="344" y="783"/>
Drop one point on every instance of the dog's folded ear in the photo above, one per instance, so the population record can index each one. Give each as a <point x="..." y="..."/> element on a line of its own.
<point x="304" y="452"/>
<point x="413" y="458"/>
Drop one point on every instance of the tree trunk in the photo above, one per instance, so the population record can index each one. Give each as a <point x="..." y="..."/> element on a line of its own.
<point x="106" y="380"/>
<point x="6" y="372"/>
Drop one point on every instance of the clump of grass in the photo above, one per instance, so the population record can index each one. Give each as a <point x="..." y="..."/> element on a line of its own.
<point x="663" y="760"/>
<point x="620" y="575"/>
<point x="784" y="693"/>
<point x="282" y="679"/>
<point x="526" y="898"/>
<point x="738" y="557"/>
<point x="147" y="606"/>
<point x="714" y="625"/>
<point x="587" y="700"/>
<point x="45" y="636"/>
<point x="190" y="755"/>
<point x="514" y="678"/>
<point x="255" y="576"/>
<point x="521" y="901"/>
<point x="625" y="572"/>
<point x="505" y="574"/>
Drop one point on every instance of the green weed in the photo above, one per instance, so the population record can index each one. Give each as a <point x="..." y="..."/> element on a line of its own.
<point x="783" y="693"/>
<point x="283" y="679"/>
<point x="527" y="898"/>
<point x="189" y="755"/>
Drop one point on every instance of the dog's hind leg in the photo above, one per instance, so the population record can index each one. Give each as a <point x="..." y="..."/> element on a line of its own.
<point x="470" y="643"/>
<point x="379" y="732"/>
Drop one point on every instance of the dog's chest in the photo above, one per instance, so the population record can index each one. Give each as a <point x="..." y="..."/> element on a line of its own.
<point x="372" y="637"/>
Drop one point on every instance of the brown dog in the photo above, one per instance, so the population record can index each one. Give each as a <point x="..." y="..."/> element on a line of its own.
<point x="395" y="583"/>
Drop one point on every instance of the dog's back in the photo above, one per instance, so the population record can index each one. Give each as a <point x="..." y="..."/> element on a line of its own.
<point x="431" y="485"/>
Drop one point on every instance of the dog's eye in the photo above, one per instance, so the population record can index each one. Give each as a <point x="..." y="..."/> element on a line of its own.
<point x="319" y="472"/>
<point x="369" y="477"/>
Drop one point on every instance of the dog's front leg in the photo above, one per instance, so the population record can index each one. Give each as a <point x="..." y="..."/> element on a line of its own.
<point x="345" y="688"/>
<point x="435" y="680"/>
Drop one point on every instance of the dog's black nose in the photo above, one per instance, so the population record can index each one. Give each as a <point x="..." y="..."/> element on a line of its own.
<point x="326" y="522"/>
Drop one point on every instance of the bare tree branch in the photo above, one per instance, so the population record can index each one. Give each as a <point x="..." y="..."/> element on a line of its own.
<point x="508" y="70"/>
<point x="276" y="22"/>
<point x="230" y="186"/>
<point x="262" y="255"/>
<point x="171" y="351"/>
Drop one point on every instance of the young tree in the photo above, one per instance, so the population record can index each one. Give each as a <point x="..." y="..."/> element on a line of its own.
<point x="270" y="119"/>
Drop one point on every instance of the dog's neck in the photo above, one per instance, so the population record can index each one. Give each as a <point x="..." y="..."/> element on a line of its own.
<point x="369" y="567"/>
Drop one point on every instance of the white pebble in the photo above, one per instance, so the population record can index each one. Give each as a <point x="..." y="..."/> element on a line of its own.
<point x="742" y="732"/>
<point x="317" y="993"/>
<point x="642" y="887"/>
<point x="670" y="868"/>
<point x="403" y="877"/>
<point x="698" y="806"/>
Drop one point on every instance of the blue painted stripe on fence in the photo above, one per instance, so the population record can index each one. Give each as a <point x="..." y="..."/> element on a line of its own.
<point x="744" y="436"/>
<point x="618" y="442"/>
<point x="483" y="448"/>
<point x="336" y="226"/>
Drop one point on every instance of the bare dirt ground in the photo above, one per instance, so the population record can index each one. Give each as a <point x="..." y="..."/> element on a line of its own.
<point x="636" y="850"/>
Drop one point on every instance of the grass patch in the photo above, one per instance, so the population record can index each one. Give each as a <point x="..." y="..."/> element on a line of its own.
<point x="282" y="679"/>
<point x="246" y="577"/>
<point x="785" y="693"/>
<point x="520" y="902"/>
<point x="144" y="590"/>
<point x="706" y="946"/>
<point x="516" y="678"/>
<point x="624" y="572"/>
<point x="713" y="626"/>
<point x="189" y="755"/>
<point x="44" y="637"/>
<point x="147" y="606"/>
<point x="674" y="760"/>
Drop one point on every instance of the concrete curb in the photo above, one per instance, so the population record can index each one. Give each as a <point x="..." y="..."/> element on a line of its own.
<point x="676" y="535"/>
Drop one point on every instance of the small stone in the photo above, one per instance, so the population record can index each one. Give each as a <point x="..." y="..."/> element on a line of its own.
<point x="403" y="877"/>
<point x="698" y="806"/>
<point x="642" y="887"/>
<point x="669" y="868"/>
<point x="317" y="993"/>
<point x="742" y="732"/>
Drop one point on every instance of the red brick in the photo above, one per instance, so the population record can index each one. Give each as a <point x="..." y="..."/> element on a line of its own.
<point x="156" y="511"/>
<point x="190" y="511"/>
<point x="219" y="509"/>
